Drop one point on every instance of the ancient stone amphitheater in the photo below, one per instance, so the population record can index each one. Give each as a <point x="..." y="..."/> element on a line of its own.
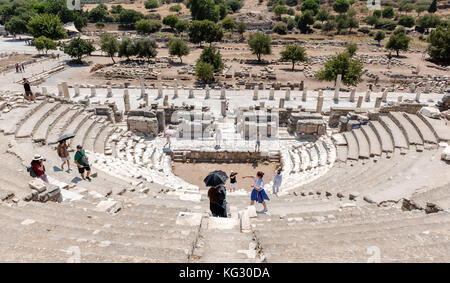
<point x="364" y="184"/>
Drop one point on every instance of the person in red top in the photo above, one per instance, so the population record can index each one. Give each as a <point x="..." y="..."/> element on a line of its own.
<point x="39" y="168"/>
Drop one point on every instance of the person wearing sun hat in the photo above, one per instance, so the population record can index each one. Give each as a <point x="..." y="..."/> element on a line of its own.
<point x="38" y="166"/>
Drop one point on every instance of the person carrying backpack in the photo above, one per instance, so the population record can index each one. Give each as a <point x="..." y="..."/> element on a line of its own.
<point x="81" y="160"/>
<point x="37" y="165"/>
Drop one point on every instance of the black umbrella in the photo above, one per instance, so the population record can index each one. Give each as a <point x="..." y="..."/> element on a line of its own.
<point x="216" y="178"/>
<point x="65" y="137"/>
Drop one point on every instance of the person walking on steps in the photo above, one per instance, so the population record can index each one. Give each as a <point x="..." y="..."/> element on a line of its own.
<point x="233" y="181"/>
<point x="277" y="179"/>
<point x="63" y="153"/>
<point x="81" y="160"/>
<point x="258" y="142"/>
<point x="258" y="193"/>
<point x="217" y="202"/>
<point x="28" y="93"/>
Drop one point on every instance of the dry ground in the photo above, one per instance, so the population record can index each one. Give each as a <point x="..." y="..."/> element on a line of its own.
<point x="184" y="171"/>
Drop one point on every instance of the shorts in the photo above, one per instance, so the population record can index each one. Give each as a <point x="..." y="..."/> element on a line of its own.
<point x="233" y="186"/>
<point x="81" y="170"/>
<point x="64" y="159"/>
<point x="28" y="93"/>
<point x="258" y="143"/>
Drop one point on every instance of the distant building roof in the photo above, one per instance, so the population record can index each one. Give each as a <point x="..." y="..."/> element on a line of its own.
<point x="70" y="27"/>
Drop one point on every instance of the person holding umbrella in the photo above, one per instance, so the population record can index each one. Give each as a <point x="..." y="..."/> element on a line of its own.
<point x="217" y="193"/>
<point x="258" y="193"/>
<point x="63" y="153"/>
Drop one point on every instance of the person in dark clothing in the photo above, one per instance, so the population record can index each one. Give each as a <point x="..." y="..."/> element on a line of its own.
<point x="233" y="181"/>
<point x="217" y="202"/>
<point x="28" y="93"/>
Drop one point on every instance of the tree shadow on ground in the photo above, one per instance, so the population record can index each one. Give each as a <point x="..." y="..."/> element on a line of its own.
<point x="291" y="71"/>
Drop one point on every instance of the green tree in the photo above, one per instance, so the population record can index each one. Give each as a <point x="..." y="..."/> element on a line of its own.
<point x="420" y="9"/>
<point x="79" y="21"/>
<point x="279" y="10"/>
<point x="109" y="45"/>
<point x="182" y="26"/>
<point x="351" y="49"/>
<point x="228" y="24"/>
<point x="322" y="15"/>
<point x="406" y="21"/>
<point x="398" y="41"/>
<point x="146" y="48"/>
<point x="351" y="70"/>
<point x="260" y="44"/>
<point x="304" y="20"/>
<point x="178" y="47"/>
<point x="388" y="12"/>
<point x="234" y="5"/>
<point x="77" y="48"/>
<point x="171" y="21"/>
<point x="47" y="25"/>
<point x="352" y="23"/>
<point x="294" y="53"/>
<point x="148" y="26"/>
<point x="379" y="36"/>
<point x="98" y="14"/>
<point x="127" y="48"/>
<point x="205" y="30"/>
<point x="311" y="5"/>
<point x="280" y="28"/>
<point x="433" y="7"/>
<point x="428" y="21"/>
<point x="212" y="56"/>
<point x="341" y="6"/>
<point x="204" y="71"/>
<point x="16" y="25"/>
<point x="371" y="20"/>
<point x="241" y="27"/>
<point x="128" y="17"/>
<point x="44" y="43"/>
<point x="151" y="4"/>
<point x="204" y="10"/>
<point x="439" y="44"/>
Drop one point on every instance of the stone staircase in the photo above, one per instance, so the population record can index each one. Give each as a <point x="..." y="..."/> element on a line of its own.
<point x="355" y="234"/>
<point x="395" y="130"/>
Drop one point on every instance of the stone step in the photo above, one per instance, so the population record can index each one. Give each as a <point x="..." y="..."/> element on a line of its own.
<point x="412" y="136"/>
<point x="75" y="124"/>
<point x="363" y="144"/>
<point x="422" y="128"/>
<point x="396" y="134"/>
<point x="374" y="143"/>
<point x="83" y="130"/>
<point x="341" y="152"/>
<point x="44" y="128"/>
<point x="383" y="136"/>
<point x="440" y="127"/>
<point x="104" y="248"/>
<point x="14" y="118"/>
<point x="353" y="151"/>
<point x="60" y="127"/>
<point x="32" y="122"/>
<point x="100" y="141"/>
<point x="92" y="135"/>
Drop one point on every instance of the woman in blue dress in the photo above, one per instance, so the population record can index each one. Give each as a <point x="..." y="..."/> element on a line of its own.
<point x="258" y="193"/>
